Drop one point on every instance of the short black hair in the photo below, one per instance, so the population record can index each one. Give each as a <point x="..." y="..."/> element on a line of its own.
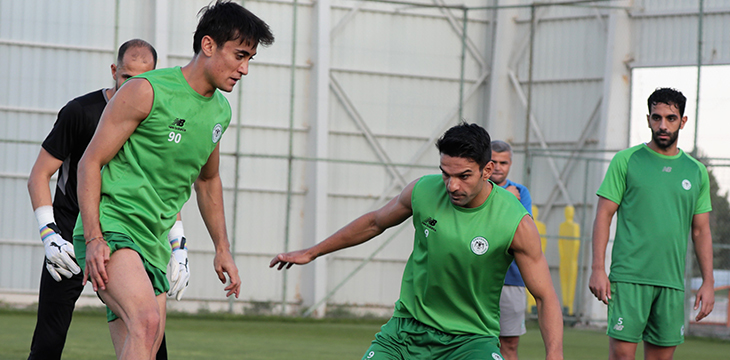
<point x="468" y="141"/>
<point x="224" y="21"/>
<point x="668" y="96"/>
<point x="129" y="44"/>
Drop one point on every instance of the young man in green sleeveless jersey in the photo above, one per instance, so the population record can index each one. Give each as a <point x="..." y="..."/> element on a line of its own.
<point x="467" y="232"/>
<point x="157" y="137"/>
<point x="661" y="195"/>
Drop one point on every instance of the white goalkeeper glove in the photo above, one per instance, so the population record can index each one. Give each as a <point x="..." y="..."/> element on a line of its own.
<point x="60" y="253"/>
<point x="178" y="272"/>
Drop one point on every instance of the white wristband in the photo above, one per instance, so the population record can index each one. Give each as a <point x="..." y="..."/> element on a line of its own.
<point x="44" y="215"/>
<point x="176" y="232"/>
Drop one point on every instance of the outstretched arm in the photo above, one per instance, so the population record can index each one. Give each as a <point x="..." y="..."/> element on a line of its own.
<point x="534" y="269"/>
<point x="599" y="284"/>
<point x="702" y="239"/>
<point x="357" y="232"/>
<point x="124" y="112"/>
<point x="209" y="190"/>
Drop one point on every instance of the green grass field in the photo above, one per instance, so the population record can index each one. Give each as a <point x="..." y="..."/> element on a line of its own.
<point x="235" y="337"/>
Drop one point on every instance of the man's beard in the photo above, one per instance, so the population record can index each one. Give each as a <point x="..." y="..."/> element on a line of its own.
<point x="664" y="144"/>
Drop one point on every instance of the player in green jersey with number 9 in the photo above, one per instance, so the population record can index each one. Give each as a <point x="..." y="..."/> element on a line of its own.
<point x="467" y="232"/>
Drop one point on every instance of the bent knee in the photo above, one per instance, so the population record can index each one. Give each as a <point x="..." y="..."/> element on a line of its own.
<point x="144" y="322"/>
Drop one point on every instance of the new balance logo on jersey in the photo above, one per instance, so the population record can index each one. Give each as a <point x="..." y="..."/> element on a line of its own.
<point x="667" y="169"/>
<point x="430" y="223"/>
<point x="178" y="125"/>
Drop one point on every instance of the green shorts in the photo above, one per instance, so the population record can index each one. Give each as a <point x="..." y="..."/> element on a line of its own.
<point x="638" y="312"/>
<point x="406" y="338"/>
<point x="118" y="241"/>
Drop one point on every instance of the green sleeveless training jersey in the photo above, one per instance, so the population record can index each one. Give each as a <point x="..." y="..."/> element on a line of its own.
<point x="657" y="195"/>
<point x="454" y="277"/>
<point x="146" y="184"/>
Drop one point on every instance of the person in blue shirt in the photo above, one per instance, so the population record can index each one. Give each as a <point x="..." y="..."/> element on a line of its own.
<point x="513" y="302"/>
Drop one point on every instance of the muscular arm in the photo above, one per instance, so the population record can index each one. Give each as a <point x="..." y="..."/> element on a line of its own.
<point x="599" y="284"/>
<point x="357" y="232"/>
<point x="209" y="192"/>
<point x="702" y="239"/>
<point x="124" y="112"/>
<point x="536" y="274"/>
<point x="40" y="176"/>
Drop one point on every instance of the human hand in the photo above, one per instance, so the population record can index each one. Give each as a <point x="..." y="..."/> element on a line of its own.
<point x="97" y="257"/>
<point x="60" y="255"/>
<point x="178" y="272"/>
<point x="600" y="285"/>
<point x="513" y="189"/>
<point x="299" y="257"/>
<point x="223" y="263"/>
<point x="705" y="297"/>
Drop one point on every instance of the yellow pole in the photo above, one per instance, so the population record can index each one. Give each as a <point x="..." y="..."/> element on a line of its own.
<point x="569" y="246"/>
<point x="542" y="229"/>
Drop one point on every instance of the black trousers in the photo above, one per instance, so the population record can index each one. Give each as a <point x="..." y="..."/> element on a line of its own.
<point x="56" y="302"/>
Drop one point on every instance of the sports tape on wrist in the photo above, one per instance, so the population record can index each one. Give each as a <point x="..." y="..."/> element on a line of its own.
<point x="176" y="235"/>
<point x="44" y="215"/>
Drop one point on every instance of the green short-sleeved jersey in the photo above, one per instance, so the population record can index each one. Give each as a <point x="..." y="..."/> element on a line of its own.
<point x="147" y="182"/>
<point x="657" y="196"/>
<point x="454" y="276"/>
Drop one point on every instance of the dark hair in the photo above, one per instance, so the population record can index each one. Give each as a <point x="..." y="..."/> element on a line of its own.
<point x="133" y="44"/>
<point x="469" y="141"/>
<point x="224" y="21"/>
<point x="500" y="146"/>
<point x="668" y="96"/>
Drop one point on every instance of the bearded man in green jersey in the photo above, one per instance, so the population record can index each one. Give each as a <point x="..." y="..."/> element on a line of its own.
<point x="659" y="192"/>
<point x="157" y="136"/>
<point x="467" y="232"/>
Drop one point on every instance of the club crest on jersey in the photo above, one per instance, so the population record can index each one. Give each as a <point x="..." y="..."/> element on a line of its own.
<point x="496" y="356"/>
<point x="686" y="184"/>
<point x="217" y="132"/>
<point x="479" y="245"/>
